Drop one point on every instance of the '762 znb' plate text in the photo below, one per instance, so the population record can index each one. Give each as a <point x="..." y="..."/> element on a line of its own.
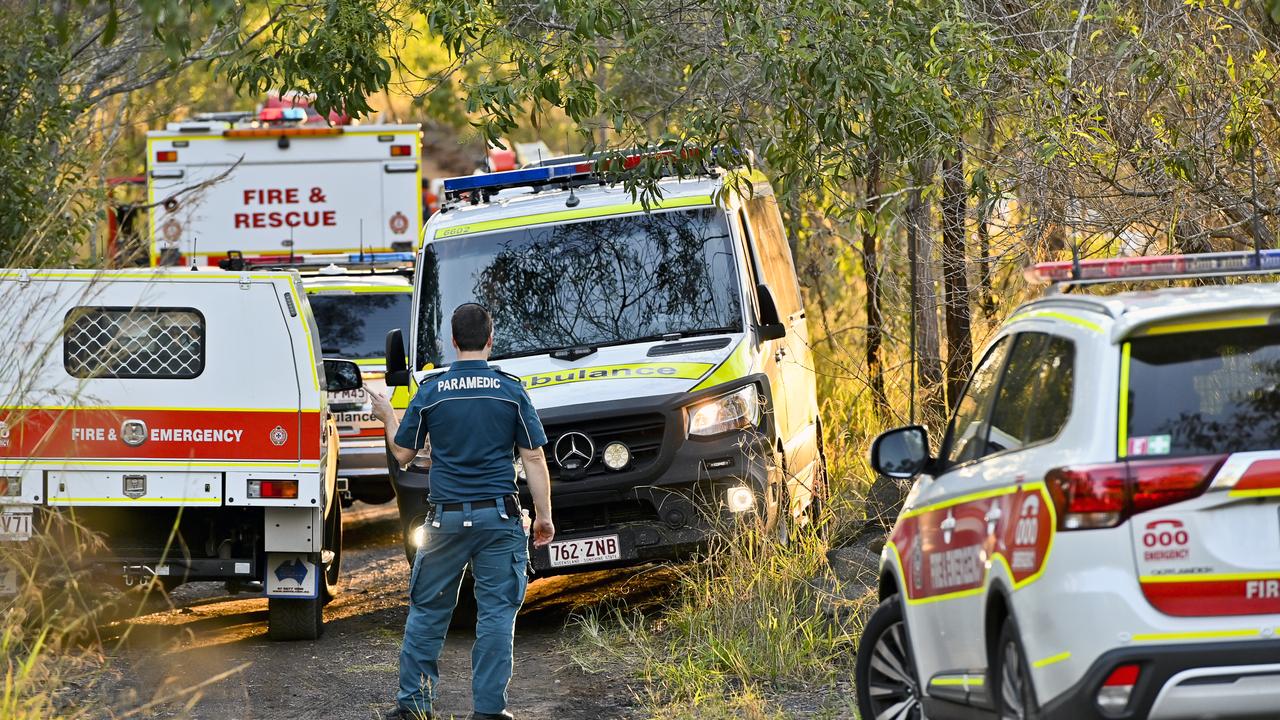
<point x="584" y="550"/>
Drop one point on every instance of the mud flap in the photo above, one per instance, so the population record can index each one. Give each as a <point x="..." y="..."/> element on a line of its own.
<point x="292" y="575"/>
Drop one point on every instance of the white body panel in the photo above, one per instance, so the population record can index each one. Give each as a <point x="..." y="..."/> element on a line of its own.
<point x="338" y="193"/>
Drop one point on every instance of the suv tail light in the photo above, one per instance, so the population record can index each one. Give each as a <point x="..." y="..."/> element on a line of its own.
<point x="1103" y="496"/>
<point x="1114" y="694"/>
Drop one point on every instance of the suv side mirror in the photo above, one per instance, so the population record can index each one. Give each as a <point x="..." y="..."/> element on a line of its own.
<point x="901" y="453"/>
<point x="397" y="362"/>
<point x="341" y="375"/>
<point x="771" y="327"/>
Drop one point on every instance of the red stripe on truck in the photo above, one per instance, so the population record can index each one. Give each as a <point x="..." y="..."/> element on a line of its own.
<point x="167" y="434"/>
<point x="1205" y="598"/>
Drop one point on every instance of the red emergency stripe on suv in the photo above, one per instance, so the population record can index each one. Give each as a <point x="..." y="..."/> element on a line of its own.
<point x="1212" y="596"/>
<point x="1261" y="475"/>
<point x="169" y="434"/>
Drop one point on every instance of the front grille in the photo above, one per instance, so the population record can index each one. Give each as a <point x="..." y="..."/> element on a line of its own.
<point x="604" y="515"/>
<point x="642" y="434"/>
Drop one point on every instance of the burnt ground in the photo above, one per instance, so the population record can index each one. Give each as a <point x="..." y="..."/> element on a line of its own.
<point x="208" y="650"/>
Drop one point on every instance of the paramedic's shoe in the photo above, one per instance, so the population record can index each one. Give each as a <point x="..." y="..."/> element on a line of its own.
<point x="504" y="715"/>
<point x="400" y="713"/>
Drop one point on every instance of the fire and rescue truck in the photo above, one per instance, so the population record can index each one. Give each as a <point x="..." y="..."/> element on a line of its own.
<point x="1098" y="533"/>
<point x="183" y="417"/>
<point x="664" y="347"/>
<point x="271" y="186"/>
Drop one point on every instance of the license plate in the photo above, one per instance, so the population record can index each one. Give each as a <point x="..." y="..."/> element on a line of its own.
<point x="585" y="550"/>
<point x="15" y="524"/>
<point x="347" y="397"/>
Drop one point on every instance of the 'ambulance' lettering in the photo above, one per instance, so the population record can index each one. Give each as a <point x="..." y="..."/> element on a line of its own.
<point x="468" y="383"/>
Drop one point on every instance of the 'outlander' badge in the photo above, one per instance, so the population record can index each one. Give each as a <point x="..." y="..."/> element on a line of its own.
<point x="278" y="436"/>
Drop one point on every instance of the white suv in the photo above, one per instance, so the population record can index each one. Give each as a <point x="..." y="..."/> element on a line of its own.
<point x="1099" y="533"/>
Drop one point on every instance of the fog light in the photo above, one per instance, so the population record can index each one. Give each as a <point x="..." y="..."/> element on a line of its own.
<point x="1113" y="696"/>
<point x="616" y="455"/>
<point x="273" y="489"/>
<point x="740" y="499"/>
<point x="418" y="536"/>
<point x="10" y="486"/>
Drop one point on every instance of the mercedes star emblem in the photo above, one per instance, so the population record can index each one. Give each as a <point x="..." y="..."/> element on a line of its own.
<point x="574" y="451"/>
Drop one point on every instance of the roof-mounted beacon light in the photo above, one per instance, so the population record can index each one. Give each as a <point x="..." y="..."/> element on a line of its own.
<point x="1154" y="267"/>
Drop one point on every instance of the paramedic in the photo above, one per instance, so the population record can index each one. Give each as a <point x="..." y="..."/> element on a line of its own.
<point x="474" y="415"/>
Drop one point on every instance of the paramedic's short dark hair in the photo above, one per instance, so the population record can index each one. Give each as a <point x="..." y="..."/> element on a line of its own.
<point x="472" y="327"/>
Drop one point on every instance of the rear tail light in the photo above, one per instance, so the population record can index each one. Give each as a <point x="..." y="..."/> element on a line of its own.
<point x="273" y="489"/>
<point x="1113" y="696"/>
<point x="1103" y="496"/>
<point x="401" y="150"/>
<point x="167" y="156"/>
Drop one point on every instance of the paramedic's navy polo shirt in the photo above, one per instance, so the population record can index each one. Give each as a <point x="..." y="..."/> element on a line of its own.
<point x="475" y="417"/>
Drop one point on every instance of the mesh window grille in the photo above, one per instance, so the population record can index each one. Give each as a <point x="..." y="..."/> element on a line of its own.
<point x="107" y="342"/>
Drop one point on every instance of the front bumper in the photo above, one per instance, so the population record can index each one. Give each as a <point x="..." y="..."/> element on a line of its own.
<point x="666" y="508"/>
<point x="1185" y="681"/>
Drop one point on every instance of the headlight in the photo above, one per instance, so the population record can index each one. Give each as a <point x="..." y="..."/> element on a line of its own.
<point x="738" y="409"/>
<point x="418" y="536"/>
<point x="616" y="455"/>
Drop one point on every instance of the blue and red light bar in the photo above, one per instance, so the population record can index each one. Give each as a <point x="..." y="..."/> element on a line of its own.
<point x="1154" y="266"/>
<point x="490" y="183"/>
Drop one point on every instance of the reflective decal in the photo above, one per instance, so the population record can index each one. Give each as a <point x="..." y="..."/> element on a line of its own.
<point x="636" y="371"/>
<point x="1213" y="594"/>
<point x="950" y="546"/>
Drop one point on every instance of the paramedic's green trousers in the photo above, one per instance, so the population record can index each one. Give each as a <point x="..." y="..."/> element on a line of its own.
<point x="496" y="548"/>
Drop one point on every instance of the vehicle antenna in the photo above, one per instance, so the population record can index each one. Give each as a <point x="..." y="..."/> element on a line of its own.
<point x="361" y="239"/>
<point x="195" y="243"/>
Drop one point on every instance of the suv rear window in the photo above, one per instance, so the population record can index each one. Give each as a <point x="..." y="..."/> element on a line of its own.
<point x="1215" y="391"/>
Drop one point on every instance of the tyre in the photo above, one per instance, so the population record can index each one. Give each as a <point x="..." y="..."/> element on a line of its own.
<point x="331" y="555"/>
<point x="293" y="619"/>
<point x="885" y="675"/>
<point x="1010" y="681"/>
<point x="374" y="491"/>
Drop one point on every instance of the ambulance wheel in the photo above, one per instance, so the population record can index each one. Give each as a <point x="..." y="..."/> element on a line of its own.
<point x="292" y="619"/>
<point x="331" y="556"/>
<point x="885" y="674"/>
<point x="1011" y="688"/>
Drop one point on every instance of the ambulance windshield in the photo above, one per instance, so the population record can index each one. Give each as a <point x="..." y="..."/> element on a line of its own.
<point x="354" y="325"/>
<point x="599" y="282"/>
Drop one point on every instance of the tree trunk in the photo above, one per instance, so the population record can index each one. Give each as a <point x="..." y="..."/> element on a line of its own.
<point x="986" y="298"/>
<point x="924" y="295"/>
<point x="955" y="281"/>
<point x="871" y="273"/>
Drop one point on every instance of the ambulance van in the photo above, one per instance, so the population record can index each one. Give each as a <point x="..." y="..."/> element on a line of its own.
<point x="355" y="308"/>
<point x="183" y="417"/>
<point x="665" y="349"/>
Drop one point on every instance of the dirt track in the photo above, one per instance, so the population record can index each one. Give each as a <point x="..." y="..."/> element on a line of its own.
<point x="351" y="671"/>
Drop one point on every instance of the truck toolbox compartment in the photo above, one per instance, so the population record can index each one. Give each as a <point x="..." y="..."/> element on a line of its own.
<point x="143" y="488"/>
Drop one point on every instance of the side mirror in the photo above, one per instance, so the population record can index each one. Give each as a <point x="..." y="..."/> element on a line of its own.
<point x="771" y="327"/>
<point x="901" y="453"/>
<point x="397" y="361"/>
<point x="341" y="376"/>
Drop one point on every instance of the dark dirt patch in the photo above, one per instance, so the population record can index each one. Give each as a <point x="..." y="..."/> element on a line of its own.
<point x="351" y="672"/>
